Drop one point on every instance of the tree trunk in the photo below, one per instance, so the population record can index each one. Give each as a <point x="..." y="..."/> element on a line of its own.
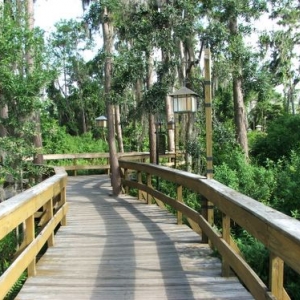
<point x="3" y="115"/>
<point x="152" y="129"/>
<point x="118" y="126"/>
<point x="113" y="158"/>
<point x="240" y="116"/>
<point x="36" y="120"/>
<point x="152" y="139"/>
<point x="170" y="117"/>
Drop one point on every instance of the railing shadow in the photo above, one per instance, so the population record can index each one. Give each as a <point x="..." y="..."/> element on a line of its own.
<point x="120" y="261"/>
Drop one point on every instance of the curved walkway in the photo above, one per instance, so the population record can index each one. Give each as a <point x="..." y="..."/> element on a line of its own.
<point x="121" y="248"/>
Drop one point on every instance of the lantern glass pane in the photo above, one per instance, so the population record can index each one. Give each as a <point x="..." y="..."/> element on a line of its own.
<point x="187" y="103"/>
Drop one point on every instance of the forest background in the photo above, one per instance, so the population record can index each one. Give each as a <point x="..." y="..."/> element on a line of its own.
<point x="51" y="93"/>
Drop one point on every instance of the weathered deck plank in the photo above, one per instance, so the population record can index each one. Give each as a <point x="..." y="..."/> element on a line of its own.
<point x="120" y="248"/>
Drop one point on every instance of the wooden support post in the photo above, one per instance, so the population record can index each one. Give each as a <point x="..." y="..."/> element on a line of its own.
<point x="226" y="237"/>
<point x="29" y="237"/>
<point x="139" y="178"/>
<point x="49" y="212"/>
<point x="208" y="113"/>
<point x="149" y="184"/>
<point x="126" y="176"/>
<point x="179" y="198"/>
<point x="208" y="129"/>
<point x="276" y="277"/>
<point x="63" y="199"/>
<point x="204" y="213"/>
<point x="75" y="164"/>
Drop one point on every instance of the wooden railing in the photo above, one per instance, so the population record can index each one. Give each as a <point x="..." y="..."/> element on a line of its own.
<point x="278" y="232"/>
<point x="88" y="160"/>
<point x="45" y="201"/>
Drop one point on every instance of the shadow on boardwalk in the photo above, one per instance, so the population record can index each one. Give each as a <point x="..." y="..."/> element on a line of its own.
<point x="121" y="248"/>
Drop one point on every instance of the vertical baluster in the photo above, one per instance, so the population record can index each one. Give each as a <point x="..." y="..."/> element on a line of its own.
<point x="139" y="178"/>
<point x="276" y="276"/>
<point x="226" y="237"/>
<point x="204" y="213"/>
<point x="75" y="164"/>
<point x="126" y="176"/>
<point x="179" y="198"/>
<point x="49" y="211"/>
<point x="63" y="200"/>
<point x="29" y="237"/>
<point x="149" y="184"/>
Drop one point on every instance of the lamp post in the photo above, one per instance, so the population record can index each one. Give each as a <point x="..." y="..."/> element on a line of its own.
<point x="159" y="146"/>
<point x="101" y="122"/>
<point x="184" y="101"/>
<point x="172" y="126"/>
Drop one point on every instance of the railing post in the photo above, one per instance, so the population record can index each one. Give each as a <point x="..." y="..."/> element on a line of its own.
<point x="139" y="178"/>
<point x="179" y="198"/>
<point x="226" y="237"/>
<point x="49" y="211"/>
<point x="126" y="176"/>
<point x="204" y="213"/>
<point x="63" y="200"/>
<point x="29" y="237"/>
<point x="207" y="211"/>
<point x="149" y="184"/>
<point x="75" y="164"/>
<point x="276" y="276"/>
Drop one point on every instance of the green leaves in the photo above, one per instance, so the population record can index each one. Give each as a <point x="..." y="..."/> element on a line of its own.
<point x="154" y="98"/>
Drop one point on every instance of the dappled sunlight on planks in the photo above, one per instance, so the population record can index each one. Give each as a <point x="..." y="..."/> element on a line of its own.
<point x="120" y="248"/>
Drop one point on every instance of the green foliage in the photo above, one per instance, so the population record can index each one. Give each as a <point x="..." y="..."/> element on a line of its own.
<point x="85" y="143"/>
<point x="7" y="250"/>
<point x="56" y="140"/>
<point x="283" y="136"/>
<point x="16" y="287"/>
<point x="286" y="194"/>
<point x="75" y="100"/>
<point x="292" y="283"/>
<point x="8" y="247"/>
<point x="152" y="99"/>
<point x="14" y="165"/>
<point x="255" y="181"/>
<point x="134" y="139"/>
<point x="255" y="253"/>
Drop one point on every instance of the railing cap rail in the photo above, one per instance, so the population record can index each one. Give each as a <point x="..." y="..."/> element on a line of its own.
<point x="19" y="200"/>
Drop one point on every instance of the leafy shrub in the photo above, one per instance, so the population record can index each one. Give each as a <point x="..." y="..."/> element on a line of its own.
<point x="286" y="193"/>
<point x="283" y="135"/>
<point x="57" y="141"/>
<point x="252" y="180"/>
<point x="16" y="287"/>
<point x="255" y="253"/>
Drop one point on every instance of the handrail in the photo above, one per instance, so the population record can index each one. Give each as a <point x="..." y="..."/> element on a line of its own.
<point x="278" y="232"/>
<point x="47" y="198"/>
<point x="137" y="156"/>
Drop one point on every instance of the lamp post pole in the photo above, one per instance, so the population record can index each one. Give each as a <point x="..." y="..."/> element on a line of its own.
<point x="207" y="206"/>
<point x="158" y="145"/>
<point x="208" y="113"/>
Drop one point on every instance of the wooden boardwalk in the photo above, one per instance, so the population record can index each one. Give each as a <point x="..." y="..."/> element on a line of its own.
<point x="119" y="248"/>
